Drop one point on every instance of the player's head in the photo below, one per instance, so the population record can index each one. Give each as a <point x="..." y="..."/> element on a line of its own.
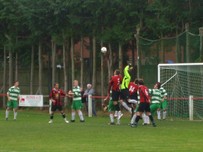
<point x="141" y="82"/>
<point x="89" y="86"/>
<point x="16" y="83"/>
<point x="56" y="85"/>
<point x="116" y="72"/>
<point x="136" y="81"/>
<point x="157" y="85"/>
<point x="75" y="83"/>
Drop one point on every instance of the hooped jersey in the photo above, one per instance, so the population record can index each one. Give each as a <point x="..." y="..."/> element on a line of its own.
<point x="14" y="93"/>
<point x="156" y="95"/>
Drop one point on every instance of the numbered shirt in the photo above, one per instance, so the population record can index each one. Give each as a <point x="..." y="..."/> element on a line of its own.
<point x="133" y="88"/>
<point x="144" y="94"/>
<point x="114" y="83"/>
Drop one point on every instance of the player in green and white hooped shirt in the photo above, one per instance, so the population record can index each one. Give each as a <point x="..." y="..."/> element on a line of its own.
<point x="77" y="101"/>
<point x="13" y="97"/>
<point x="156" y="98"/>
<point x="164" y="104"/>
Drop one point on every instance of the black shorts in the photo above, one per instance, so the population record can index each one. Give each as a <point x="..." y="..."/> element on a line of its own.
<point x="133" y="96"/>
<point x="55" y="107"/>
<point x="144" y="107"/>
<point x="124" y="94"/>
<point x="115" y="95"/>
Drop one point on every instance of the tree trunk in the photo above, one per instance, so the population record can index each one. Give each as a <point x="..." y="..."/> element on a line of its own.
<point x="94" y="61"/>
<point x="65" y="71"/>
<point x="177" y="53"/>
<point x="40" y="68"/>
<point x="10" y="67"/>
<point x="110" y="70"/>
<point x="16" y="66"/>
<point x="4" y="78"/>
<point x="162" y="48"/>
<point x="102" y="73"/>
<point x="53" y="47"/>
<point x="32" y="70"/>
<point x="72" y="60"/>
<point x="187" y="43"/>
<point x="138" y="51"/>
<point x="120" y="56"/>
<point x="82" y="63"/>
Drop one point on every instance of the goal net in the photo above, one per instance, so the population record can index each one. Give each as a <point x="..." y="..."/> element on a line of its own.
<point x="184" y="85"/>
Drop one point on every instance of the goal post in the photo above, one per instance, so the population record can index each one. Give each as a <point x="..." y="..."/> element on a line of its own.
<point x="184" y="85"/>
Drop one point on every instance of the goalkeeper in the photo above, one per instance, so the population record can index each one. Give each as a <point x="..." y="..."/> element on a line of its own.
<point x="124" y="88"/>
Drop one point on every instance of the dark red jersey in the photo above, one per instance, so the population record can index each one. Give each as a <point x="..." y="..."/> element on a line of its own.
<point x="114" y="83"/>
<point x="133" y="88"/>
<point x="56" y="95"/>
<point x="144" y="94"/>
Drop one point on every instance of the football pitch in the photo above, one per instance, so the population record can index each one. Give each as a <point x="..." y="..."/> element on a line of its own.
<point x="32" y="133"/>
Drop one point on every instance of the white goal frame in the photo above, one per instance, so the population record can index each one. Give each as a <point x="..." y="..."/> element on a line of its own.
<point x="190" y="97"/>
<point x="175" y="64"/>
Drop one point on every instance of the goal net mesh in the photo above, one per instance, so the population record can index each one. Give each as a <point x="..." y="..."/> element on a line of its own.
<point x="181" y="81"/>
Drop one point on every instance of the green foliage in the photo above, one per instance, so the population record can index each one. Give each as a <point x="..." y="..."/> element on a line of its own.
<point x="110" y="21"/>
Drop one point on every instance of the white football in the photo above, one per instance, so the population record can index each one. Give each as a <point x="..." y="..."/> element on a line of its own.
<point x="103" y="49"/>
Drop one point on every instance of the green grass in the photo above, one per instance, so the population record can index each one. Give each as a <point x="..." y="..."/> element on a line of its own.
<point x="32" y="133"/>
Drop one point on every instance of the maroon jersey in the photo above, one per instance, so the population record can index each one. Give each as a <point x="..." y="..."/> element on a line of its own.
<point x="56" y="95"/>
<point x="114" y="83"/>
<point x="133" y="88"/>
<point x="144" y="94"/>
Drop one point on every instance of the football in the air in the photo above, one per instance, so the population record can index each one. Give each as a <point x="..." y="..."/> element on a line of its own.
<point x="103" y="49"/>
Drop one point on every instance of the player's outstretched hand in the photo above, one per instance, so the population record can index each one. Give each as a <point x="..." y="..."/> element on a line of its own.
<point x="70" y="94"/>
<point x="130" y="66"/>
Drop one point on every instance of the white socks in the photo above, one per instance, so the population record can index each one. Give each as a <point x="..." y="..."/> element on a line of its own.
<point x="73" y="115"/>
<point x="164" y="114"/>
<point x="116" y="114"/>
<point x="133" y="119"/>
<point x="111" y="118"/>
<point x="159" y="115"/>
<point x="145" y="118"/>
<point x="7" y="114"/>
<point x="80" y="115"/>
<point x="126" y="106"/>
<point x="14" y="114"/>
<point x="132" y="101"/>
